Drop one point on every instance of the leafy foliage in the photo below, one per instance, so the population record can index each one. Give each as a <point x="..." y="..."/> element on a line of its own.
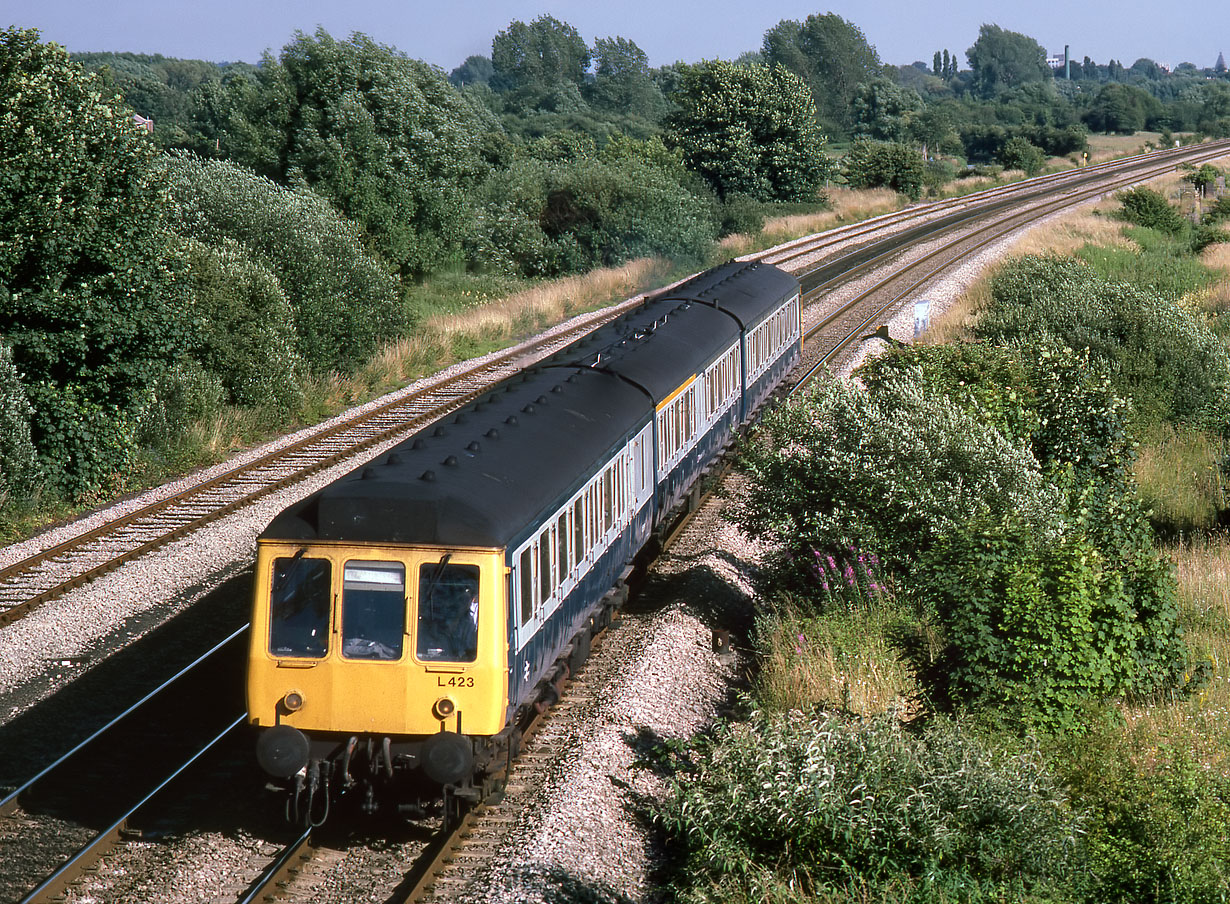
<point x="750" y="130"/>
<point x="384" y="138"/>
<point x="1147" y="207"/>
<point x="344" y="300"/>
<point x="875" y="164"/>
<point x="548" y="218"/>
<point x="89" y="298"/>
<point x="823" y="806"/>
<point x="19" y="470"/>
<point x="1165" y="360"/>
<point x="833" y="59"/>
<point x="1003" y="59"/>
<point x="247" y="336"/>
<point x="1017" y="153"/>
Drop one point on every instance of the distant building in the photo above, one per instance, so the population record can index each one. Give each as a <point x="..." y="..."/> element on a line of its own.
<point x="1220" y="65"/>
<point x="143" y="123"/>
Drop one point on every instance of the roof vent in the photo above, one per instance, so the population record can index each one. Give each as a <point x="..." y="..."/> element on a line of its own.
<point x="395" y="458"/>
<point x="459" y="419"/>
<point x="541" y="400"/>
<point x="451" y="461"/>
<point x="439" y="431"/>
<point x="528" y="409"/>
<point x="429" y="476"/>
<point x="474" y="447"/>
<point x="418" y="444"/>
<point x="557" y="388"/>
<point x="492" y="434"/>
<point x="369" y="474"/>
<point x="511" y="420"/>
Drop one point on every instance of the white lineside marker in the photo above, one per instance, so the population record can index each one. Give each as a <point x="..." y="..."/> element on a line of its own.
<point x="922" y="316"/>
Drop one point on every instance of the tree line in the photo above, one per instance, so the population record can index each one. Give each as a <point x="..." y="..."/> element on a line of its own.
<point x="269" y="227"/>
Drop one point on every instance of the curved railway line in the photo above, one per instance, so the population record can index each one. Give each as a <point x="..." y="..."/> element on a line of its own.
<point x="62" y="566"/>
<point x="448" y="858"/>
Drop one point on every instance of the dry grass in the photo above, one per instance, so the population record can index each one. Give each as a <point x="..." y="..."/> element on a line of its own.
<point x="842" y="661"/>
<point x="1201" y="722"/>
<point x="1177" y="470"/>
<point x="1108" y="147"/>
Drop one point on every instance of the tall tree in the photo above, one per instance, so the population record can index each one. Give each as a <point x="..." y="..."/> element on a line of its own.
<point x="89" y="298"/>
<point x="883" y="110"/>
<point x="622" y="81"/>
<point x="539" y="56"/>
<point x="1004" y="59"/>
<point x="750" y="130"/>
<point x="832" y="57"/>
<point x="383" y="137"/>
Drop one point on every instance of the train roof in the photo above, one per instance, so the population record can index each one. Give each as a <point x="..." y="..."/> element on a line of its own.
<point x="480" y="476"/>
<point x="747" y="290"/>
<point x="656" y="347"/>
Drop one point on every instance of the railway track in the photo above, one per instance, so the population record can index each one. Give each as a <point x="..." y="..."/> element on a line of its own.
<point x="62" y="566"/>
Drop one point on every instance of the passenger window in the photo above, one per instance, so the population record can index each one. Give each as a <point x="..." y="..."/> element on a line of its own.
<point x="299" y="604"/>
<point x="448" y="612"/>
<point x="527" y="584"/>
<point x="373" y="610"/>
<point x="544" y="564"/>
<point x="561" y="531"/>
<point x="578" y="525"/>
<point x="607" y="490"/>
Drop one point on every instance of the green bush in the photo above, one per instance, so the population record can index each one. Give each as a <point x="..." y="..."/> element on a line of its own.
<point x="1147" y="207"/>
<point x="741" y="215"/>
<point x="344" y="300"/>
<point x="1161" y="357"/>
<point x="1017" y="153"/>
<point x="545" y="219"/>
<point x="247" y="335"/>
<point x="888" y="471"/>
<point x="186" y="395"/>
<point x="1155" y="834"/>
<point x="804" y="807"/>
<point x="19" y="470"/>
<point x="1035" y="626"/>
<point x="90" y="299"/>
<point x="882" y="164"/>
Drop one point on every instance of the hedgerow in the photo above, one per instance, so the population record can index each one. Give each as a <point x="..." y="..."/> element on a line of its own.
<point x="798" y="807"/>
<point x="344" y="299"/>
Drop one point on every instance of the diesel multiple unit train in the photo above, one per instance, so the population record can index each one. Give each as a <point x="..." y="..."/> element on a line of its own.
<point x="408" y="616"/>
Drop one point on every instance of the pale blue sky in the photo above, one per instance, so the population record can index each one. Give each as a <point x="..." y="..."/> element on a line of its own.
<point x="446" y="33"/>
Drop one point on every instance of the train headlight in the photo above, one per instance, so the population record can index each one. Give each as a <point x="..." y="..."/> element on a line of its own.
<point x="293" y="702"/>
<point x="444" y="707"/>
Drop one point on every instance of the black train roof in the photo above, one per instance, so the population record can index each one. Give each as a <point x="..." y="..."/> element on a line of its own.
<point x="484" y="476"/>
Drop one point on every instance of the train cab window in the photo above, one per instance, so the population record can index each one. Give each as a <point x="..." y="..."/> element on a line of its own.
<point x="447" y="627"/>
<point x="373" y="609"/>
<point x="300" y="598"/>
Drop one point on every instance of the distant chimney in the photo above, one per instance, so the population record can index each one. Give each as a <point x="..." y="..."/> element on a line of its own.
<point x="1067" y="62"/>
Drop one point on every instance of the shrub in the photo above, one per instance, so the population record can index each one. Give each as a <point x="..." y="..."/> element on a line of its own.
<point x="1033" y="626"/>
<point x="886" y="472"/>
<point x="1018" y="153"/>
<point x="344" y="300"/>
<point x="19" y="470"/>
<point x="544" y="219"/>
<point x="89" y="296"/>
<point x="247" y="326"/>
<point x="1161" y="357"/>
<point x="1147" y="207"/>
<point x="741" y="215"/>
<point x="818" y="805"/>
<point x="876" y="164"/>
